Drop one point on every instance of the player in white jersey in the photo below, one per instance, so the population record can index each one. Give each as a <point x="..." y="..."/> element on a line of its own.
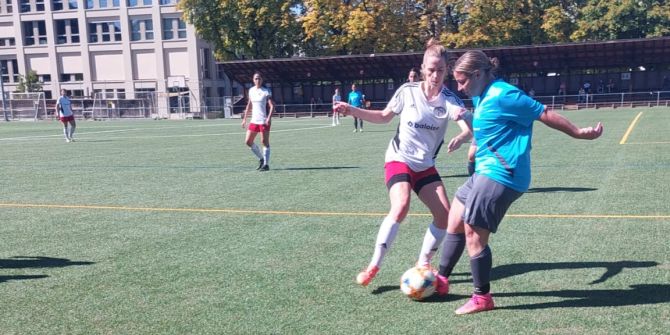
<point x="65" y="115"/>
<point x="258" y="100"/>
<point x="424" y="108"/>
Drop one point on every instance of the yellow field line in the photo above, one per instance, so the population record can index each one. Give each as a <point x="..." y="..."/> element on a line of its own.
<point x="630" y="129"/>
<point x="646" y="143"/>
<point x="307" y="213"/>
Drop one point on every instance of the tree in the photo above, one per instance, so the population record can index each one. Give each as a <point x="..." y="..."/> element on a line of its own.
<point x="481" y="23"/>
<point x="29" y="83"/>
<point x="246" y="28"/>
<point x="344" y="27"/>
<point x="622" y="19"/>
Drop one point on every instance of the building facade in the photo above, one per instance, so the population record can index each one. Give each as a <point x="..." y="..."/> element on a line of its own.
<point x="117" y="49"/>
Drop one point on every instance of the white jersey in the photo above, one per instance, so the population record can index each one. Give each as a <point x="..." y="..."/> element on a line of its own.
<point x="259" y="100"/>
<point x="65" y="106"/>
<point x="422" y="125"/>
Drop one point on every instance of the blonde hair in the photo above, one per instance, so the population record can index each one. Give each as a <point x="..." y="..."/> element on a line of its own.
<point x="435" y="49"/>
<point x="473" y="60"/>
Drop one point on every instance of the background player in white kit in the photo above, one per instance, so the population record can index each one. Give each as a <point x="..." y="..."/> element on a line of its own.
<point x="424" y="108"/>
<point x="258" y="100"/>
<point x="65" y="115"/>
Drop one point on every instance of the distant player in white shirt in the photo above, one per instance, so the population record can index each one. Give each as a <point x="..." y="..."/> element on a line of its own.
<point x="336" y="116"/>
<point x="65" y="115"/>
<point x="259" y="98"/>
<point x="424" y="109"/>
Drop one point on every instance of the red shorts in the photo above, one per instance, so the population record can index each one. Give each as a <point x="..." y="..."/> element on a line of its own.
<point x="399" y="172"/>
<point x="259" y="128"/>
<point x="66" y="118"/>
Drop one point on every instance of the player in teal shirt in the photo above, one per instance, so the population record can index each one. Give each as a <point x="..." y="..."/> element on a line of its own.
<point x="356" y="99"/>
<point x="503" y="128"/>
<point x="503" y="131"/>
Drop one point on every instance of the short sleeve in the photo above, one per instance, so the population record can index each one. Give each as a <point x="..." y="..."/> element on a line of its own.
<point x="519" y="107"/>
<point x="456" y="108"/>
<point x="396" y="103"/>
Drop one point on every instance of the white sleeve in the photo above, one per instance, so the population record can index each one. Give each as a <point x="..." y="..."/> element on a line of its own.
<point x="396" y="103"/>
<point x="456" y="109"/>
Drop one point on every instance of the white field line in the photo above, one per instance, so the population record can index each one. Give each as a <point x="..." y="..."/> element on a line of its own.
<point x="84" y="135"/>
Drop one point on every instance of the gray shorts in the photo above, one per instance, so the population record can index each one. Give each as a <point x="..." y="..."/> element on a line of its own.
<point x="486" y="201"/>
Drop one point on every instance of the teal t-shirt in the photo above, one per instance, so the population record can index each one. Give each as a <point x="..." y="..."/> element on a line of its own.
<point x="503" y="130"/>
<point x="356" y="98"/>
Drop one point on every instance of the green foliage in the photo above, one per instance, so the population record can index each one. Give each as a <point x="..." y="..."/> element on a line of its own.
<point x="29" y="83"/>
<point x="245" y="28"/>
<point x="267" y="29"/>
<point x="621" y="19"/>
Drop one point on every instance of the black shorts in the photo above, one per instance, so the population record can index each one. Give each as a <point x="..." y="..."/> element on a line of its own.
<point x="486" y="201"/>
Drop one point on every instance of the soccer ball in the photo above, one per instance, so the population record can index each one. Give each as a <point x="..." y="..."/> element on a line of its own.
<point x="418" y="283"/>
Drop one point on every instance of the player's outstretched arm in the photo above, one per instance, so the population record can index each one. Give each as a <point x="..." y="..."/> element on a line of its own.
<point x="458" y="140"/>
<point x="559" y="122"/>
<point x="374" y="116"/>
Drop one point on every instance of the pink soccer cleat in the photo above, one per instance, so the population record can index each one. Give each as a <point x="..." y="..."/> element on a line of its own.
<point x="365" y="277"/>
<point x="441" y="284"/>
<point x="478" y="303"/>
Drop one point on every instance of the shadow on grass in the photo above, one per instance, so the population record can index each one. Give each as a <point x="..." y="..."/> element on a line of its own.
<point x="611" y="269"/>
<point x="34" y="262"/>
<point x="8" y="278"/>
<point x="317" y="168"/>
<point x="644" y="294"/>
<point x="23" y="262"/>
<point x="559" y="189"/>
<point x="433" y="298"/>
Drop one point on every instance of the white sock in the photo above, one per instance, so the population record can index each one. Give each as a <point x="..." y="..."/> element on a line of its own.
<point x="72" y="127"/>
<point x="65" y="133"/>
<point x="387" y="232"/>
<point x="256" y="150"/>
<point x="266" y="155"/>
<point x="431" y="242"/>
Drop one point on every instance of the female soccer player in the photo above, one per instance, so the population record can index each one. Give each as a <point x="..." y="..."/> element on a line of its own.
<point x="65" y="115"/>
<point x="503" y="128"/>
<point x="413" y="76"/>
<point x="424" y="108"/>
<point x="336" y="116"/>
<point x="259" y="98"/>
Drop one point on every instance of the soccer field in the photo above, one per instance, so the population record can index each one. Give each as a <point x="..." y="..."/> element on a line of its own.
<point x="165" y="227"/>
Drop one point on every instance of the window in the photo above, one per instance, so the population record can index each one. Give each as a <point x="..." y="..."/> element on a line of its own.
<point x="100" y="4"/>
<point x="67" y="31"/>
<point x="35" y="32"/>
<point x="120" y="93"/>
<point x="25" y="6"/>
<point x="174" y="28"/>
<point x="205" y="63"/>
<point x="66" y="77"/>
<point x="7" y="42"/>
<point x="63" y="4"/>
<point x="10" y="70"/>
<point x="45" y="78"/>
<point x="135" y="3"/>
<point x="168" y="2"/>
<point x="6" y="7"/>
<point x="103" y="32"/>
<point x="141" y="30"/>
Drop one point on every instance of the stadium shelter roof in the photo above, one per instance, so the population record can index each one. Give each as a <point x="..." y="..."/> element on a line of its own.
<point x="545" y="58"/>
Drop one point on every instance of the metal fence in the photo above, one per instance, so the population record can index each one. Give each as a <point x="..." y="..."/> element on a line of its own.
<point x="170" y="105"/>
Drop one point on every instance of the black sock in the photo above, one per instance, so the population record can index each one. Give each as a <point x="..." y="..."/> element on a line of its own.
<point x="451" y="253"/>
<point x="481" y="271"/>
